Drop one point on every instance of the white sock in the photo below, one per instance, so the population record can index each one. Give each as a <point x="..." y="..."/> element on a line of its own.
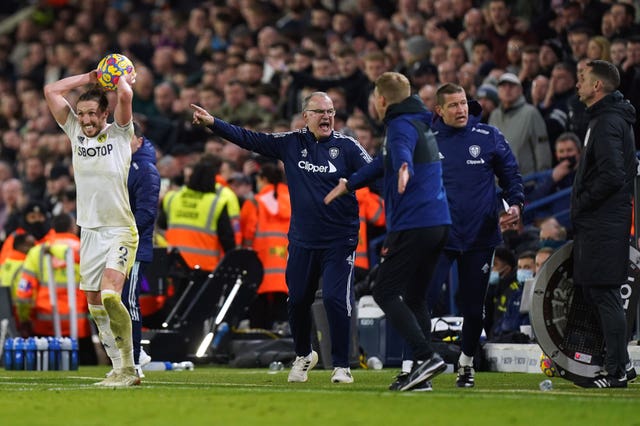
<point x="101" y="318"/>
<point x="465" y="361"/>
<point x="407" y="365"/>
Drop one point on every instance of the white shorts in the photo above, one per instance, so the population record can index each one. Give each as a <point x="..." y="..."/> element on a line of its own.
<point x="110" y="247"/>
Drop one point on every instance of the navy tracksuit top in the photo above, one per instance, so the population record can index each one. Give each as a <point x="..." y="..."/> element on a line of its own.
<point x="472" y="158"/>
<point x="313" y="168"/>
<point x="409" y="139"/>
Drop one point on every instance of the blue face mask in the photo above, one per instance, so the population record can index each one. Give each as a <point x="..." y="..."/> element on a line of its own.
<point x="494" y="278"/>
<point x="524" y="274"/>
<point x="554" y="244"/>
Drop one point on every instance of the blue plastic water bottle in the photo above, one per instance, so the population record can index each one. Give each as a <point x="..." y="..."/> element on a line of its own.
<point x="54" y="353"/>
<point x="8" y="354"/>
<point x="30" y="354"/>
<point x="74" y="355"/>
<point x="223" y="329"/>
<point x="18" y="353"/>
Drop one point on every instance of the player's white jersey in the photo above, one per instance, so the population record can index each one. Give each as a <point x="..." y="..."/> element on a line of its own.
<point x="101" y="168"/>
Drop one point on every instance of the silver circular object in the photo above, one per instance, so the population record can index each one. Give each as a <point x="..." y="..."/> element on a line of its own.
<point x="566" y="327"/>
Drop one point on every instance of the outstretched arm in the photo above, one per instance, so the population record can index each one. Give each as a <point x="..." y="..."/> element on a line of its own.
<point x="54" y="94"/>
<point x="201" y="116"/>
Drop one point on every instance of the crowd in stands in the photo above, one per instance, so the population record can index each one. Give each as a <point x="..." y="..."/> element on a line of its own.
<point x="251" y="62"/>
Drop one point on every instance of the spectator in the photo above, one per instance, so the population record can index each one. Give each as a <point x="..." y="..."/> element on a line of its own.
<point x="555" y="106"/>
<point x="578" y="37"/>
<point x="618" y="51"/>
<point x="567" y="156"/>
<point x="428" y="95"/>
<point x="473" y="29"/>
<point x="599" y="48"/>
<point x="502" y="302"/>
<point x="542" y="255"/>
<point x="550" y="53"/>
<point x="552" y="234"/>
<point x="502" y="26"/>
<point x="526" y="265"/>
<point x="487" y="96"/>
<point x="623" y="17"/>
<point x="522" y="125"/>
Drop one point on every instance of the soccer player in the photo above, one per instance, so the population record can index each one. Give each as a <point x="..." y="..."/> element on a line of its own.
<point x="144" y="189"/>
<point x="101" y="155"/>
<point x="322" y="239"/>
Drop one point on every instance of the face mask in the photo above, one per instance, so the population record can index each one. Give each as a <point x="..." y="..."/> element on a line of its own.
<point x="524" y="274"/>
<point x="554" y="244"/>
<point x="494" y="277"/>
<point x="37" y="229"/>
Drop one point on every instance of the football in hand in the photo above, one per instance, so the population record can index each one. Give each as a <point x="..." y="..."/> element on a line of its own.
<point x="111" y="68"/>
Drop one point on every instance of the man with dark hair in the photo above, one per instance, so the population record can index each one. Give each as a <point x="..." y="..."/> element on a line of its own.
<point x="101" y="158"/>
<point x="473" y="156"/>
<point x="601" y="212"/>
<point x="567" y="153"/>
<point x="417" y="221"/>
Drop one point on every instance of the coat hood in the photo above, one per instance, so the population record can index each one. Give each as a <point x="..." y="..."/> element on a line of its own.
<point x="146" y="153"/>
<point x="411" y="105"/>
<point x="615" y="103"/>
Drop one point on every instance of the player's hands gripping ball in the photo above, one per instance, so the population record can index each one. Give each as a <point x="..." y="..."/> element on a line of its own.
<point x="111" y="68"/>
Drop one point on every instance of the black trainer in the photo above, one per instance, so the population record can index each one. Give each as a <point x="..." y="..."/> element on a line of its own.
<point x="423" y="371"/>
<point x="631" y="374"/>
<point x="465" y="377"/>
<point x="602" y="381"/>
<point x="401" y="380"/>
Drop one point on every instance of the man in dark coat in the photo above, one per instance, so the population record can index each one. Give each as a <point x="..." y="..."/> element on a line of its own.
<point x="601" y="211"/>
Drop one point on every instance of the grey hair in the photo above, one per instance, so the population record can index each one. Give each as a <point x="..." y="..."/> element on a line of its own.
<point x="307" y="99"/>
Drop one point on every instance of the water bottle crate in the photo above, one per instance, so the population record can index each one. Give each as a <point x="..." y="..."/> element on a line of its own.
<point x="40" y="353"/>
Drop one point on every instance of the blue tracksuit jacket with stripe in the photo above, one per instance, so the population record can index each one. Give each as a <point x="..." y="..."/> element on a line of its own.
<point x="472" y="158"/>
<point x="313" y="168"/>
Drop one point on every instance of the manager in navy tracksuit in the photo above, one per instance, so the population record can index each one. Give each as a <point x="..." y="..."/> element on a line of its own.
<point x="322" y="239"/>
<point x="417" y="220"/>
<point x="473" y="155"/>
<point x="144" y="189"/>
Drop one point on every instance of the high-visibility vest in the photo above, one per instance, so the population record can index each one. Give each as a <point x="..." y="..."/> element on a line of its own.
<point x="10" y="271"/>
<point x="264" y="221"/>
<point x="7" y="247"/>
<point x="34" y="288"/>
<point x="192" y="221"/>
<point x="371" y="211"/>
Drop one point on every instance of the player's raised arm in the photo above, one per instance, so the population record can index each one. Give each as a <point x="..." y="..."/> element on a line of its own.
<point x="54" y="93"/>
<point x="124" y="110"/>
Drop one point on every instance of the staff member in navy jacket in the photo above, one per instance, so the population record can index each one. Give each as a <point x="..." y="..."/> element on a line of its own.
<point x="144" y="189"/>
<point x="322" y="239"/>
<point x="417" y="220"/>
<point x="473" y="154"/>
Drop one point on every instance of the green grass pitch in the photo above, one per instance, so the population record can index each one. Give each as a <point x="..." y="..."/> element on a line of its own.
<point x="217" y="395"/>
